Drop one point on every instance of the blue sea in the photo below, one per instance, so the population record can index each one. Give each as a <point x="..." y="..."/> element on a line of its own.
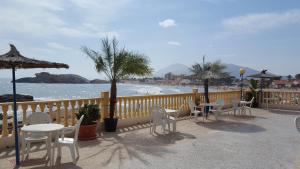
<point x="42" y="91"/>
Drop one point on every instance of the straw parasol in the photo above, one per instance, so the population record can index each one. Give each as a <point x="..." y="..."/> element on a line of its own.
<point x="263" y="75"/>
<point x="14" y="60"/>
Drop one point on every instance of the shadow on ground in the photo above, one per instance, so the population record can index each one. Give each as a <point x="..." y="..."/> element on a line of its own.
<point x="231" y="126"/>
<point x="10" y="152"/>
<point x="285" y="112"/>
<point x="134" y="145"/>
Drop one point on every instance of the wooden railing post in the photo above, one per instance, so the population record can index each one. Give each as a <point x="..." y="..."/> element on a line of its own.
<point x="195" y="93"/>
<point x="104" y="105"/>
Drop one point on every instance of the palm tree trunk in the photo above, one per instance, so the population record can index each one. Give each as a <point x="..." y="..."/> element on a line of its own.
<point x="206" y="90"/>
<point x="113" y="98"/>
<point x="206" y="97"/>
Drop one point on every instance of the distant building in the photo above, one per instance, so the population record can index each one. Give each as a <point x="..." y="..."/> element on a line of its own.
<point x="278" y="84"/>
<point x="169" y="76"/>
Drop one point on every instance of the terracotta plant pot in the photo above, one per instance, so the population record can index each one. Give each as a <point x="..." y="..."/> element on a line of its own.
<point x="87" y="132"/>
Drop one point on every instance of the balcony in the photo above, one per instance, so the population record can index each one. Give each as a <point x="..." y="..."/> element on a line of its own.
<point x="268" y="139"/>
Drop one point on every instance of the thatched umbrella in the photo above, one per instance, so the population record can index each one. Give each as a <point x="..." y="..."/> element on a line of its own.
<point x="263" y="75"/>
<point x="14" y="60"/>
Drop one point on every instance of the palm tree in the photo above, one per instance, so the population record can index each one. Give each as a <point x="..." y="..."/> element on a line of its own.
<point x="117" y="64"/>
<point x="206" y="71"/>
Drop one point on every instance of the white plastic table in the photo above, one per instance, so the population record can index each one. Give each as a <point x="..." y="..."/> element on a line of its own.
<point x="204" y="105"/>
<point x="170" y="111"/>
<point x="48" y="129"/>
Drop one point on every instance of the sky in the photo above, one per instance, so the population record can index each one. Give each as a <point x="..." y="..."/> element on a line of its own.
<point x="261" y="34"/>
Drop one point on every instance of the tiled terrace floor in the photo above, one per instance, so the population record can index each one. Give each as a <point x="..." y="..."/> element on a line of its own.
<point x="267" y="141"/>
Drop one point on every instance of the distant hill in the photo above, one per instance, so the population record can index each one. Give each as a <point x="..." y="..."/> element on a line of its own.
<point x="234" y="70"/>
<point x="45" y="77"/>
<point x="178" y="69"/>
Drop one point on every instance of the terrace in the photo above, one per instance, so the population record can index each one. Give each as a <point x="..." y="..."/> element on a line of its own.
<point x="266" y="140"/>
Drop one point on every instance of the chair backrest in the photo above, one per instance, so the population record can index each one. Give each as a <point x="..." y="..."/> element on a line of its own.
<point x="191" y="105"/>
<point x="234" y="102"/>
<point x="38" y="118"/>
<point x="179" y="111"/>
<point x="77" y="125"/>
<point x="220" y="102"/>
<point x="157" y="114"/>
<point x="251" y="101"/>
<point x="297" y="123"/>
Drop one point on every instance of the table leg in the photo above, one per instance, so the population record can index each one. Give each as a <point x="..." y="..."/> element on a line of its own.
<point x="23" y="144"/>
<point x="55" y="145"/>
<point x="49" y="148"/>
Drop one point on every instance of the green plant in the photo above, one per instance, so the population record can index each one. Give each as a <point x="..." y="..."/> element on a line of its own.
<point x="117" y="64"/>
<point x="91" y="114"/>
<point x="253" y="92"/>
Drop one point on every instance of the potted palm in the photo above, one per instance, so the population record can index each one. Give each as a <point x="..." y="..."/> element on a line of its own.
<point x="116" y="64"/>
<point x="87" y="130"/>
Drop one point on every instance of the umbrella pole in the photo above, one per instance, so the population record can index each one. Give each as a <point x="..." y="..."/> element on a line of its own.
<point x="15" y="118"/>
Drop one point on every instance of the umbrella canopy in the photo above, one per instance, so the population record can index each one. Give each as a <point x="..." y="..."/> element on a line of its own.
<point x="14" y="60"/>
<point x="264" y="75"/>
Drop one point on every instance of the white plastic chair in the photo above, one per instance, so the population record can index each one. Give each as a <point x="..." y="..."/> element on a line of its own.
<point x="159" y="117"/>
<point x="194" y="110"/>
<point x="71" y="143"/>
<point x="297" y="123"/>
<point x="248" y="106"/>
<point x="217" y="110"/>
<point x="235" y="105"/>
<point x="35" y="118"/>
<point x="174" y="117"/>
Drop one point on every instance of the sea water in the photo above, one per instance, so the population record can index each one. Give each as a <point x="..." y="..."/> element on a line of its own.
<point x="44" y="91"/>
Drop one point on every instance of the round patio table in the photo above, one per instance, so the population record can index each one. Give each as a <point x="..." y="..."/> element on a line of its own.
<point x="48" y="129"/>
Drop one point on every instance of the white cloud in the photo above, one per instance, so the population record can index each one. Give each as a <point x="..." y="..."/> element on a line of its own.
<point x="52" y="19"/>
<point x="167" y="23"/>
<point x="257" y="22"/>
<point x="174" y="43"/>
<point x="57" y="46"/>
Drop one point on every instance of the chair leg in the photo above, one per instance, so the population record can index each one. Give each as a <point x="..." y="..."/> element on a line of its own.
<point x="23" y="146"/>
<point x="28" y="148"/>
<point x="47" y="147"/>
<point x="59" y="150"/>
<point x="72" y="150"/>
<point x="216" y="116"/>
<point x="174" y="126"/>
<point x="77" y="149"/>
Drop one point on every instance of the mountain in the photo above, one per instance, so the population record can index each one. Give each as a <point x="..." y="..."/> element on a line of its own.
<point x="178" y="69"/>
<point x="234" y="70"/>
<point x="45" y="77"/>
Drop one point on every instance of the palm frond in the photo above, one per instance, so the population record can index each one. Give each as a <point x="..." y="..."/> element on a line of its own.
<point x="135" y="65"/>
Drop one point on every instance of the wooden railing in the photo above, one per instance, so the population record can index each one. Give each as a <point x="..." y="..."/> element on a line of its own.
<point x="281" y="99"/>
<point x="61" y="111"/>
<point x="127" y="107"/>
